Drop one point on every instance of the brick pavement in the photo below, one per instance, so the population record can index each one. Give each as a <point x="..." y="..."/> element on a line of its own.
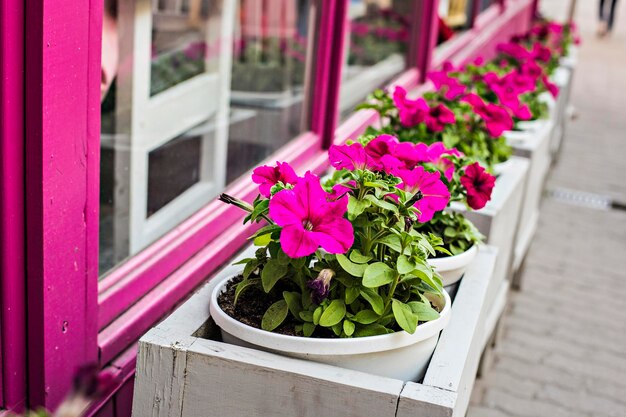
<point x="563" y="347"/>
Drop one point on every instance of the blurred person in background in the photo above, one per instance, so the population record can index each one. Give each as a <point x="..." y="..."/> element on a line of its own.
<point x="607" y="15"/>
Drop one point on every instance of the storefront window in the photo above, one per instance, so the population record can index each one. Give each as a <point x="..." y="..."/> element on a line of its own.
<point x="455" y="17"/>
<point x="194" y="94"/>
<point x="376" y="49"/>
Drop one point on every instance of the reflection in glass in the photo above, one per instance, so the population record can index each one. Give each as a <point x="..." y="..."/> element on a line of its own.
<point x="173" y="133"/>
<point x="377" y="47"/>
<point x="454" y="17"/>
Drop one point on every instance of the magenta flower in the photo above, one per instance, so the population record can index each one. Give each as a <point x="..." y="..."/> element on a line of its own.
<point x="349" y="156"/>
<point x="514" y="50"/>
<point x="411" y="112"/>
<point x="450" y="86"/>
<point x="497" y="119"/>
<point x="479" y="185"/>
<point x="267" y="176"/>
<point x="381" y="150"/>
<point x="541" y="53"/>
<point x="435" y="194"/>
<point x="550" y="86"/>
<point x="411" y="154"/>
<point x="437" y="153"/>
<point x="508" y="89"/>
<point x="309" y="220"/>
<point x="438" y="117"/>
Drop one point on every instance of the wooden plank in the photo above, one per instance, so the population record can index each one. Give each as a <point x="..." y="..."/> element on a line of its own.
<point x="297" y="388"/>
<point x="534" y="145"/>
<point x="499" y="219"/>
<point x="160" y="375"/>
<point x="421" y="400"/>
<point x="455" y="361"/>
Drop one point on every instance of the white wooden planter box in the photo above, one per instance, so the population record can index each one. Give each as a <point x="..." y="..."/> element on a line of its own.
<point x="562" y="77"/>
<point x="498" y="221"/>
<point x="535" y="146"/>
<point x="181" y="371"/>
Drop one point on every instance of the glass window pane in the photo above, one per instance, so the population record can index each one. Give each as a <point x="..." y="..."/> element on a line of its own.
<point x="194" y="94"/>
<point x="454" y="17"/>
<point x="376" y="47"/>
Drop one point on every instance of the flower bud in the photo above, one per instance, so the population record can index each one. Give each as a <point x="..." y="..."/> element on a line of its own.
<point x="320" y="286"/>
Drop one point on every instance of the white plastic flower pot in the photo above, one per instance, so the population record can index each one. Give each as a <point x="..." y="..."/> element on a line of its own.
<point x="452" y="268"/>
<point x="398" y="355"/>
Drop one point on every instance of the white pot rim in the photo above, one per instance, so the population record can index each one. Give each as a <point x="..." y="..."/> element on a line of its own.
<point x="448" y="263"/>
<point x="324" y="346"/>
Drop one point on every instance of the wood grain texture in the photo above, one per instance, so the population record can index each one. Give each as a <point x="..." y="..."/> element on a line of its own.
<point x="535" y="146"/>
<point x="237" y="381"/>
<point x="182" y="373"/>
<point x="455" y="361"/>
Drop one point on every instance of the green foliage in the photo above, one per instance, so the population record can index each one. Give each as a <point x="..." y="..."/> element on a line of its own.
<point x="370" y="288"/>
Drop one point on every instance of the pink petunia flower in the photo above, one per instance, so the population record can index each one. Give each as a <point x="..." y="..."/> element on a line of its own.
<point x="497" y="119"/>
<point x="438" y="117"/>
<point x="479" y="185"/>
<point x="514" y="50"/>
<point x="411" y="154"/>
<point x="550" y="86"/>
<point x="381" y="151"/>
<point x="349" y="156"/>
<point x="450" y="86"/>
<point x="437" y="153"/>
<point x="267" y="176"/>
<point x="435" y="194"/>
<point x="309" y="220"/>
<point x="411" y="112"/>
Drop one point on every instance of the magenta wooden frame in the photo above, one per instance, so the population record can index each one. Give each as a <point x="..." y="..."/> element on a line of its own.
<point x="62" y="102"/>
<point x="12" y="282"/>
<point x="70" y="319"/>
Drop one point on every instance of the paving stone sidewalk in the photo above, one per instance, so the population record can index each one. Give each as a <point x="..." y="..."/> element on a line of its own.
<point x="563" y="348"/>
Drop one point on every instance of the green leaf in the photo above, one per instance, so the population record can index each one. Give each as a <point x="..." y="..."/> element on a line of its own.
<point x="333" y="314"/>
<point x="316" y="315"/>
<point x="266" y="230"/>
<point x="374" y="299"/>
<point x="272" y="272"/>
<point x="243" y="261"/>
<point x="423" y="311"/>
<point x="350" y="267"/>
<point x="404" y="316"/>
<point x="393" y="242"/>
<point x="274" y="316"/>
<point x="358" y="258"/>
<point x="298" y="263"/>
<point x="308" y="329"/>
<point x="381" y="203"/>
<point x="283" y="258"/>
<point x="306" y="315"/>
<point x="242" y="286"/>
<point x="348" y="327"/>
<point x="378" y="274"/>
<point x="293" y="302"/>
<point x="337" y="328"/>
<point x="373" y="329"/>
<point x="352" y="293"/>
<point x="250" y="267"/>
<point x="262" y="240"/>
<point x="449" y="231"/>
<point x="356" y="206"/>
<point x="405" y="265"/>
<point x="366" y="317"/>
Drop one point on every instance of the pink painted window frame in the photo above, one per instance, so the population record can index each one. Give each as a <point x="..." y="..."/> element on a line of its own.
<point x="12" y="291"/>
<point x="70" y="320"/>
